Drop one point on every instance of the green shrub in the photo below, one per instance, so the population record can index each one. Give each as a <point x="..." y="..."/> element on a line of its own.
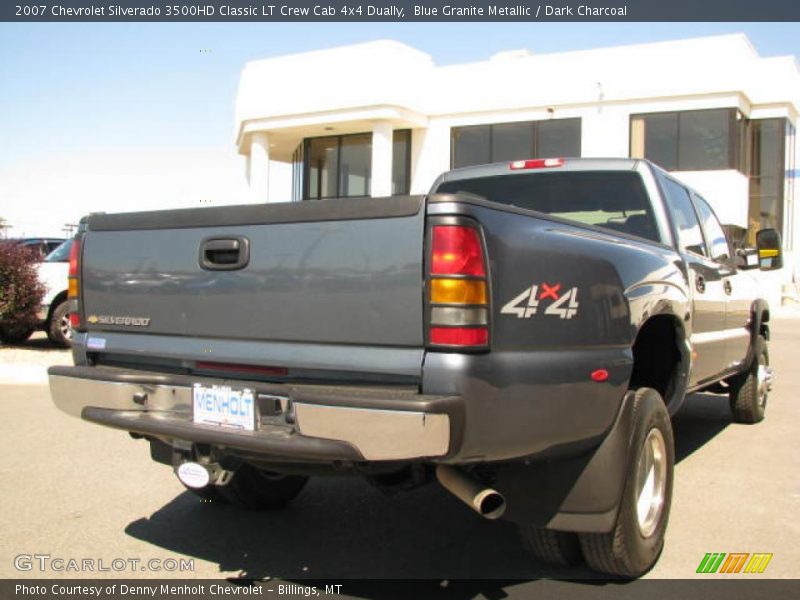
<point x="21" y="292"/>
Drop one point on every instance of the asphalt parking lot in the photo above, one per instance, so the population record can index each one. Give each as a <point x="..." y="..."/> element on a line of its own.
<point x="74" y="490"/>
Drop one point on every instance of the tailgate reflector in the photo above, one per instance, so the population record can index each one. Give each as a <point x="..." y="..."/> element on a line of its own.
<point x="460" y="336"/>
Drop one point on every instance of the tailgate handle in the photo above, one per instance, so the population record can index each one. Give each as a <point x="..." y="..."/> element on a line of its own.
<point x="224" y="254"/>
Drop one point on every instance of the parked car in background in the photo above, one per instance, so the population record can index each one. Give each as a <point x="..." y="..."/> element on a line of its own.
<point x="41" y="246"/>
<point x="54" y="311"/>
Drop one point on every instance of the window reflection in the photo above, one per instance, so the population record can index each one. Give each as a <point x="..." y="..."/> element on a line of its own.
<point x="690" y="237"/>
<point x="715" y="236"/>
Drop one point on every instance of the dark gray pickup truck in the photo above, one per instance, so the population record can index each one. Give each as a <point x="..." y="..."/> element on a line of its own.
<point x="522" y="335"/>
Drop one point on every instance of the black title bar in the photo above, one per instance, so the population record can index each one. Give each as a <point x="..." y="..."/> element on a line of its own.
<point x="397" y="11"/>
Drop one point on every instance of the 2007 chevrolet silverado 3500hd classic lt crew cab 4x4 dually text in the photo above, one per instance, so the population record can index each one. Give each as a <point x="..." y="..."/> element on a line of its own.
<point x="522" y="334"/>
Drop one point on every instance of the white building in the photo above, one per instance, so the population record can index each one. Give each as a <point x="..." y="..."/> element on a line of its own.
<point x="381" y="118"/>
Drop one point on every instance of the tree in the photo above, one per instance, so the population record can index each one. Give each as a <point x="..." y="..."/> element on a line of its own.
<point x="21" y="292"/>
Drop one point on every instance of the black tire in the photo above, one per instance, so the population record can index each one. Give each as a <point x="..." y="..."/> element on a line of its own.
<point x="210" y="494"/>
<point x="556" y="548"/>
<point x="12" y="335"/>
<point x="748" y="396"/>
<point x="631" y="549"/>
<point x="59" y="331"/>
<point x="261" y="490"/>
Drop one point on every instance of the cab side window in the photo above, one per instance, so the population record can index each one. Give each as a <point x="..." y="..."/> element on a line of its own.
<point x="715" y="235"/>
<point x="690" y="236"/>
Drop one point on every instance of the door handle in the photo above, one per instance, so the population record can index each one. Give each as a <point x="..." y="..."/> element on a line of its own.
<point x="224" y="254"/>
<point x="700" y="283"/>
<point x="728" y="287"/>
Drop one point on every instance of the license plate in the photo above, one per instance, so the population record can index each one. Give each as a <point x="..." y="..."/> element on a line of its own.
<point x="224" y="407"/>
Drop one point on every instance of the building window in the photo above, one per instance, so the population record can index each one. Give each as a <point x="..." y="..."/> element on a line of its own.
<point x="790" y="174"/>
<point x="767" y="181"/>
<point x="500" y="142"/>
<point x="298" y="161"/>
<point x="401" y="161"/>
<point x="340" y="166"/>
<point x="692" y="140"/>
<point x="471" y="145"/>
<point x="355" y="165"/>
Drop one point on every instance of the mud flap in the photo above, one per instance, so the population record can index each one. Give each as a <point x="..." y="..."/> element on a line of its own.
<point x="580" y="493"/>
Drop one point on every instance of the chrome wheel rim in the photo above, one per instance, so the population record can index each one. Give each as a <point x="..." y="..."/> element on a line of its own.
<point x="651" y="482"/>
<point x="65" y="327"/>
<point x="764" y="376"/>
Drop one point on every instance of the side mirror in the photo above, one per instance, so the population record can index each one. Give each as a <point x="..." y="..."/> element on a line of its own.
<point x="770" y="256"/>
<point x="746" y="258"/>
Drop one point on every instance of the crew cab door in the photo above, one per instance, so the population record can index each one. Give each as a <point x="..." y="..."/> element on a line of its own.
<point x="735" y="284"/>
<point x="706" y="282"/>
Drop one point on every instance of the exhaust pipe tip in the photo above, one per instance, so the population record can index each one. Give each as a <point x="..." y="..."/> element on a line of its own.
<point x="490" y="504"/>
<point x="485" y="501"/>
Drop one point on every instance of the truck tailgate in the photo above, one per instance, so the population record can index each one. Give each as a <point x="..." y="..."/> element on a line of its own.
<point x="345" y="271"/>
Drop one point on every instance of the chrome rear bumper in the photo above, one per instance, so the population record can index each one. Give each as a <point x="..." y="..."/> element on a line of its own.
<point x="320" y="422"/>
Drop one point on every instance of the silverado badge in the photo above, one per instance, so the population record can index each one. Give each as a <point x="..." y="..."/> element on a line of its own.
<point x="115" y="320"/>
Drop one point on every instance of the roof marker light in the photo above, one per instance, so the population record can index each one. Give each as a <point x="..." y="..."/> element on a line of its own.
<point x="536" y="163"/>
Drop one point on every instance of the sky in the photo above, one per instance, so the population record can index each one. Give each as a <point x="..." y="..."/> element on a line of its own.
<point x="134" y="116"/>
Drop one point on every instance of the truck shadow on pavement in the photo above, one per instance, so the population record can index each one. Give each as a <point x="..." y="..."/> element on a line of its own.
<point x="37" y="343"/>
<point x="343" y="528"/>
<point x="702" y="418"/>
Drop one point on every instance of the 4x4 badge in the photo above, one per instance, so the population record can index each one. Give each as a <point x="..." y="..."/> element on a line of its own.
<point x="526" y="304"/>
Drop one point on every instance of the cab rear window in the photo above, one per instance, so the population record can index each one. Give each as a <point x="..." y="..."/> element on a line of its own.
<point x="615" y="200"/>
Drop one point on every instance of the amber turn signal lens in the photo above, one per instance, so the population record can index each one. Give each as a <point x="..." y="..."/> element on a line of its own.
<point x="458" y="291"/>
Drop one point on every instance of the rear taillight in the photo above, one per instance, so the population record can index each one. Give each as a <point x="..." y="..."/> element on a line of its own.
<point x="73" y="286"/>
<point x="458" y="290"/>
<point x="456" y="251"/>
